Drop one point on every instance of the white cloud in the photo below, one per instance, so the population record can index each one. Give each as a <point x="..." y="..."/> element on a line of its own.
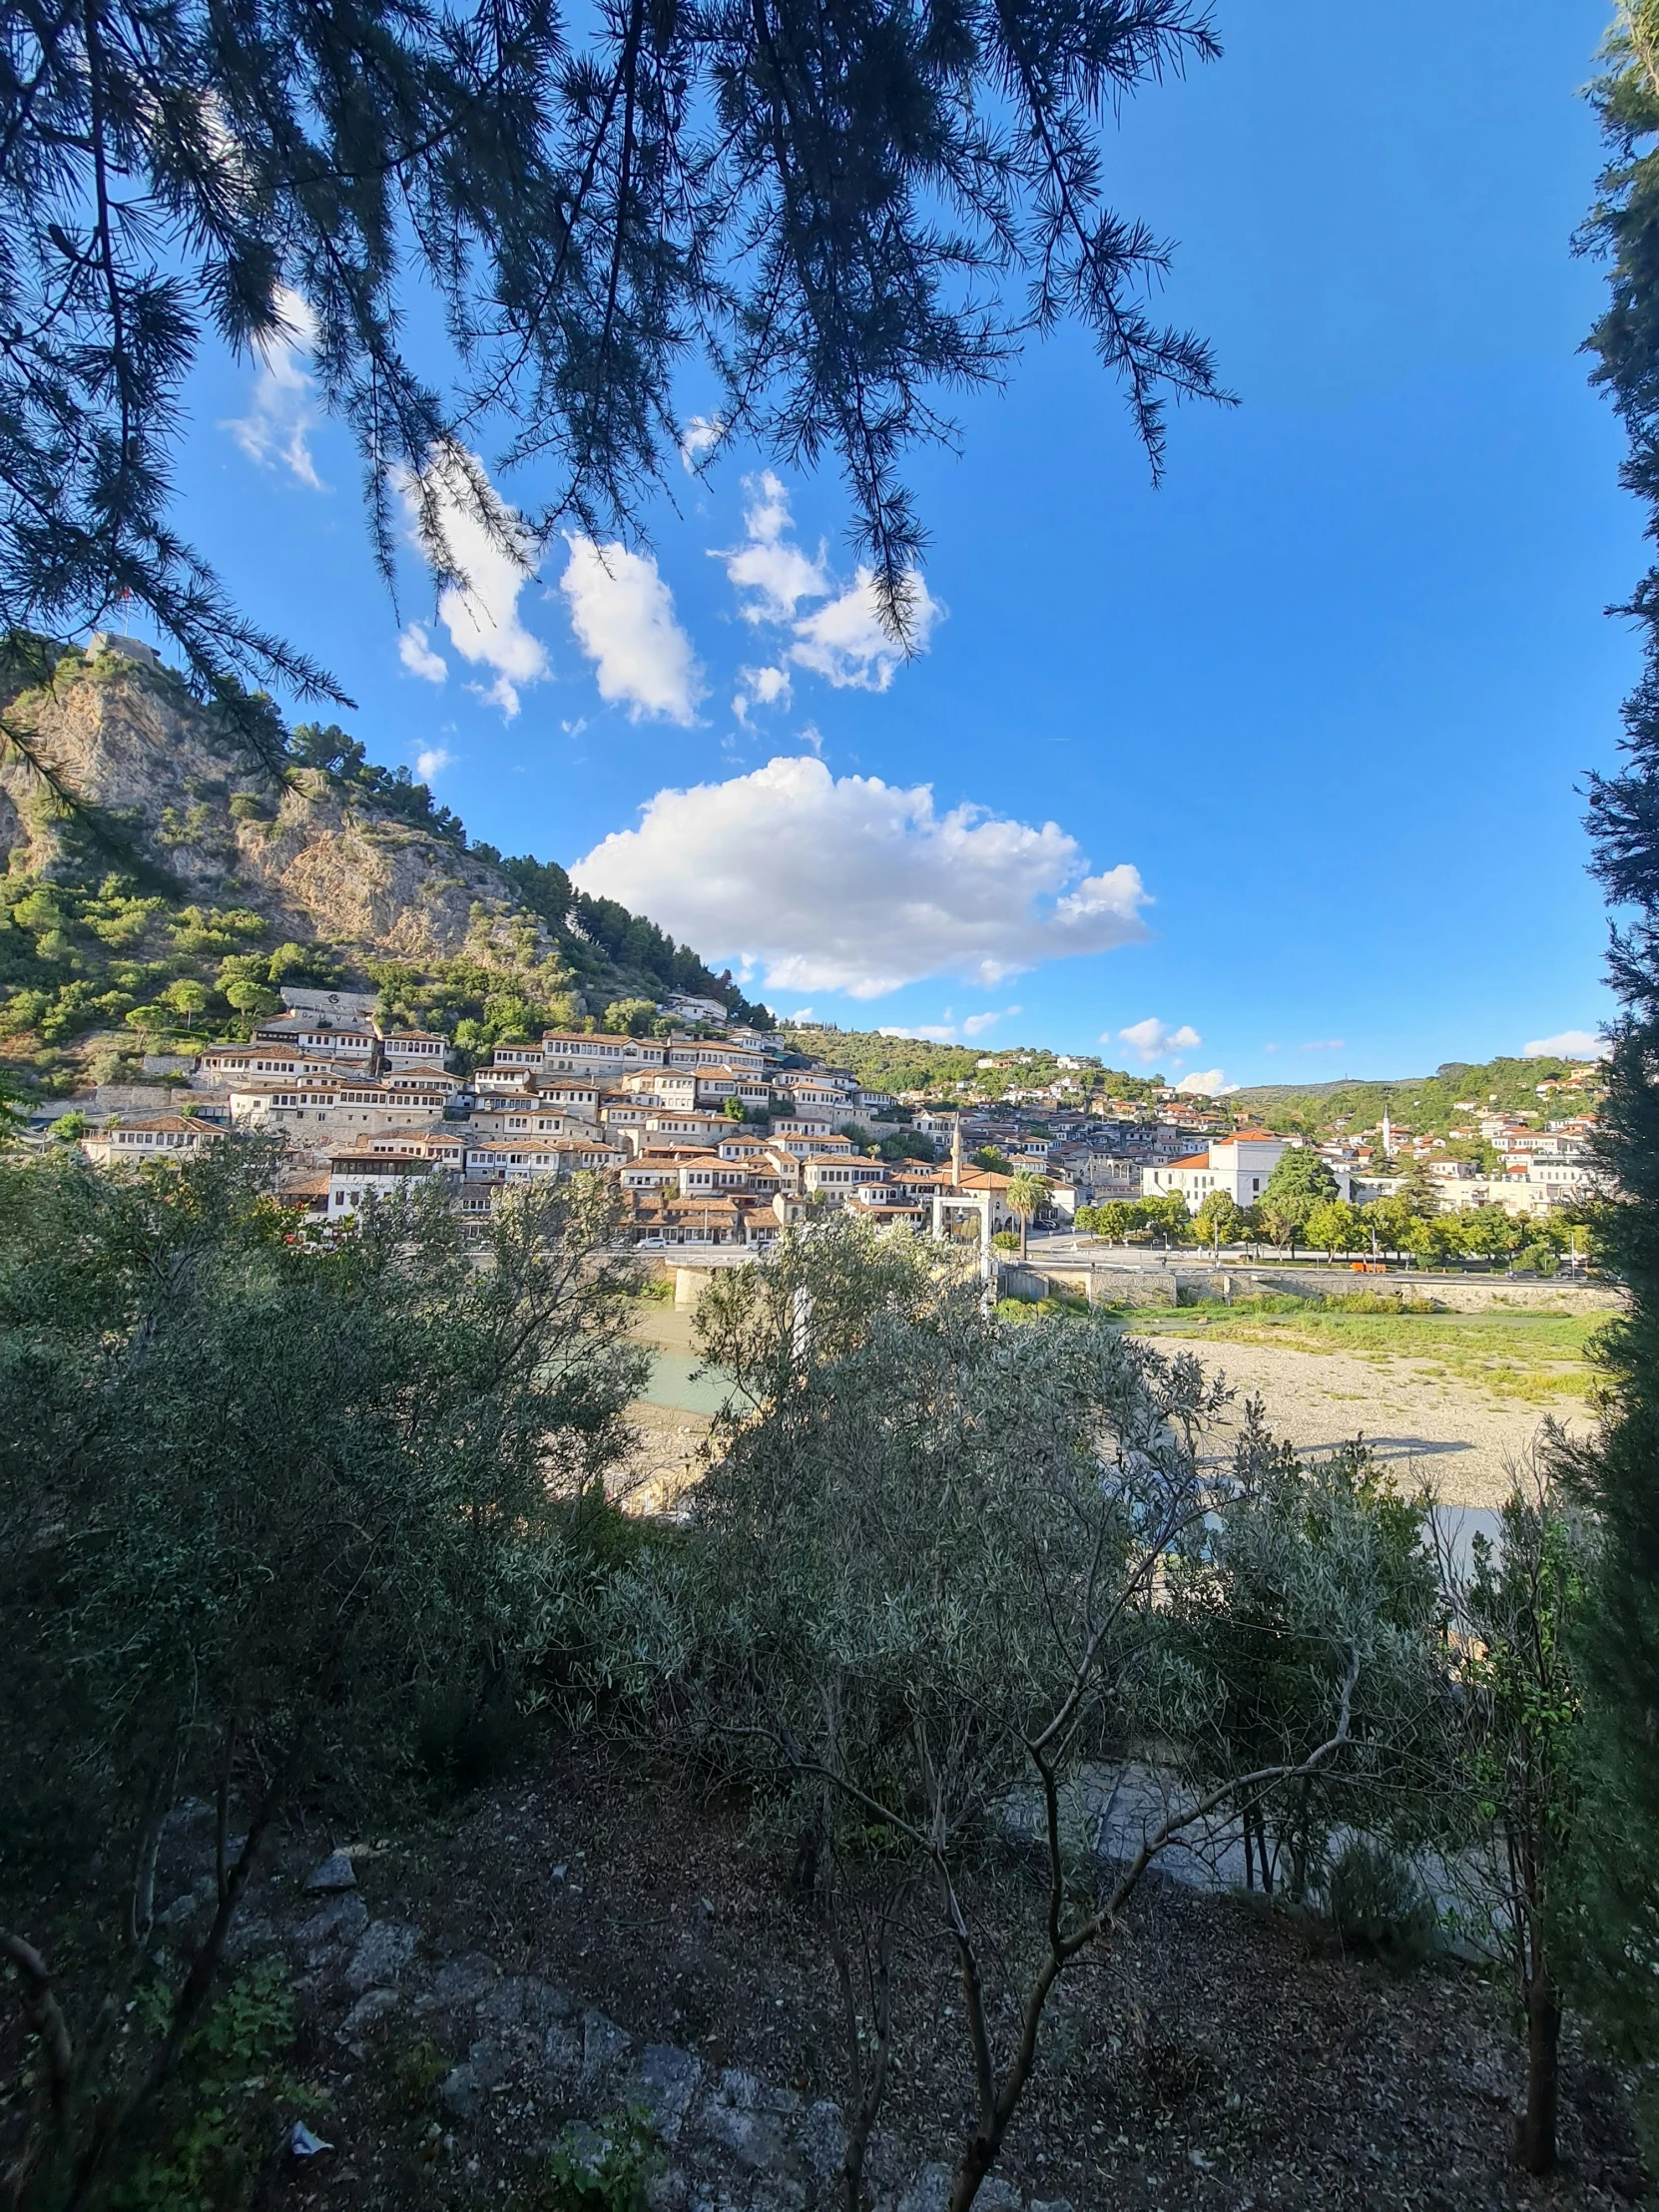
<point x="1212" y="1084"/>
<point x="849" y="883"/>
<point x="701" y="435"/>
<point x="845" y="640"/>
<point x="769" y="565"/>
<point x="1150" y="1040"/>
<point x="1570" y="1044"/>
<point x="760" y="687"/>
<point x="414" y="650"/>
<point x="623" y="616"/>
<point x="432" y="763"/>
<point x="283" y="413"/>
<point x="459" y="520"/>
<point x="1325" y="1044"/>
<point x="949" y="1031"/>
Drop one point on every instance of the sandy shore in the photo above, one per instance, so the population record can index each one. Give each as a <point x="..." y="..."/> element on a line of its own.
<point x="1457" y="1437"/>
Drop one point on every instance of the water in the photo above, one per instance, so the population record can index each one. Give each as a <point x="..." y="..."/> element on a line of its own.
<point x="671" y="1383"/>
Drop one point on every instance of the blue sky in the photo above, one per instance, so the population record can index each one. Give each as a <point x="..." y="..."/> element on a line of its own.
<point x="1273" y="767"/>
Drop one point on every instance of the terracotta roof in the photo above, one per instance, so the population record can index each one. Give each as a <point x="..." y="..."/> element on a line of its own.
<point x="171" y="1122"/>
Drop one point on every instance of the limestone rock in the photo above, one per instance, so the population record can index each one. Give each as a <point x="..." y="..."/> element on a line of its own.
<point x="746" y="2116"/>
<point x="373" y="2005"/>
<point x="928" y="2192"/>
<point x="133" y="744"/>
<point x="465" y="1980"/>
<point x="521" y="2001"/>
<point x="664" y="2082"/>
<point x="341" y="1921"/>
<point x="997" y="2197"/>
<point x="383" y="1953"/>
<point x="335" y="1874"/>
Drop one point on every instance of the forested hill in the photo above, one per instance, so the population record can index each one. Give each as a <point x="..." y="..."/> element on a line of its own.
<point x="895" y="1063"/>
<point x="169" y="866"/>
<point x="1428" y="1105"/>
<point x="1432" y="1105"/>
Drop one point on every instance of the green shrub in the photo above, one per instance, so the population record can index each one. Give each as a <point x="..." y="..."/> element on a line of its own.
<point x="601" y="2169"/>
<point x="225" y="2102"/>
<point x="1378" y="1905"/>
<point x="466" y="1734"/>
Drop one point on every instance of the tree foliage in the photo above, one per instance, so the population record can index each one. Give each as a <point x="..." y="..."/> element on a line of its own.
<point x="256" y="1501"/>
<point x="933" y="1572"/>
<point x="1299" y="1182"/>
<point x="1517" y="1612"/>
<point x="835" y="216"/>
<point x="1622" y="1654"/>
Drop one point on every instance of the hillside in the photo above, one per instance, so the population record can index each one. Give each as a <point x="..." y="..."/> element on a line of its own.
<point x="1427" y="1105"/>
<point x="919" y="1064"/>
<point x="170" y="865"/>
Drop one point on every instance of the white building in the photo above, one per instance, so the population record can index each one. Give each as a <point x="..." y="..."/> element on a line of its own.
<point x="414" y="1048"/>
<point x="319" y="1115"/>
<point x="355" y="1179"/>
<point x="158" y="1137"/>
<point x="1240" y="1167"/>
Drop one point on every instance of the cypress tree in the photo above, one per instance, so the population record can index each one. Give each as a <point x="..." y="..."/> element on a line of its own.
<point x="1620" y="1924"/>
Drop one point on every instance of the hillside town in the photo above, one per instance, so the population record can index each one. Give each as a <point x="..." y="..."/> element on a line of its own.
<point x="721" y="1135"/>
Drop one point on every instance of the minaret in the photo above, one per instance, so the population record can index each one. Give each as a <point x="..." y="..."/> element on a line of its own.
<point x="1387" y="1134"/>
<point x="956" y="1154"/>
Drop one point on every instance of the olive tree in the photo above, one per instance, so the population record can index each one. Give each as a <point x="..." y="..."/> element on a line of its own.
<point x="934" y="1559"/>
<point x="255" y="1497"/>
<point x="1263" y="1616"/>
<point x="1518" y="1611"/>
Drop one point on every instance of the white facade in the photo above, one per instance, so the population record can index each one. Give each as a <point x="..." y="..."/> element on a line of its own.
<point x="160" y="1137"/>
<point x="355" y="1179"/>
<point x="1240" y="1167"/>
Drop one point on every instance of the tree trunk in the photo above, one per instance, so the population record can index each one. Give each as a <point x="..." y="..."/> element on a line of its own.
<point x="1536" y="2131"/>
<point x="1024" y="1225"/>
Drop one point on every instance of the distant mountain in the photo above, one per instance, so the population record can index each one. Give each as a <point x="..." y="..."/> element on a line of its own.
<point x="170" y="865"/>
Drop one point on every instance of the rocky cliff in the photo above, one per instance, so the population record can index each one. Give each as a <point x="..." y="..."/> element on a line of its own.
<point x="170" y="867"/>
<point x="168" y="791"/>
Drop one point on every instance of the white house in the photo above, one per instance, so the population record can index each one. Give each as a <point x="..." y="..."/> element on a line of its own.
<point x="414" y="1048"/>
<point x="356" y="1178"/>
<point x="159" y="1137"/>
<point x="1240" y="1167"/>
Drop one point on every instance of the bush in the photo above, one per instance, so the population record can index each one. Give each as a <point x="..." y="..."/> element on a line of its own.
<point x="326" y="1485"/>
<point x="1378" y="1905"/>
<point x="601" y="2169"/>
<point x="467" y="1733"/>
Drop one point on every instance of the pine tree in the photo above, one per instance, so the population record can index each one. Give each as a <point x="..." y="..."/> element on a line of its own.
<point x="1621" y="1923"/>
<point x="833" y="212"/>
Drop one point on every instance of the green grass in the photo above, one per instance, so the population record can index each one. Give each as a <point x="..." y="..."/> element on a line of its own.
<point x="1538" y="1357"/>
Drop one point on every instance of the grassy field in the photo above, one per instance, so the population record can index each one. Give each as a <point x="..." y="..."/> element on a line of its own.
<point x="1536" y="1357"/>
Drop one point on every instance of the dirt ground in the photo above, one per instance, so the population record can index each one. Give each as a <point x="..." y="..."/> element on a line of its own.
<point x="1445" y="1431"/>
<point x="1218" y="2054"/>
